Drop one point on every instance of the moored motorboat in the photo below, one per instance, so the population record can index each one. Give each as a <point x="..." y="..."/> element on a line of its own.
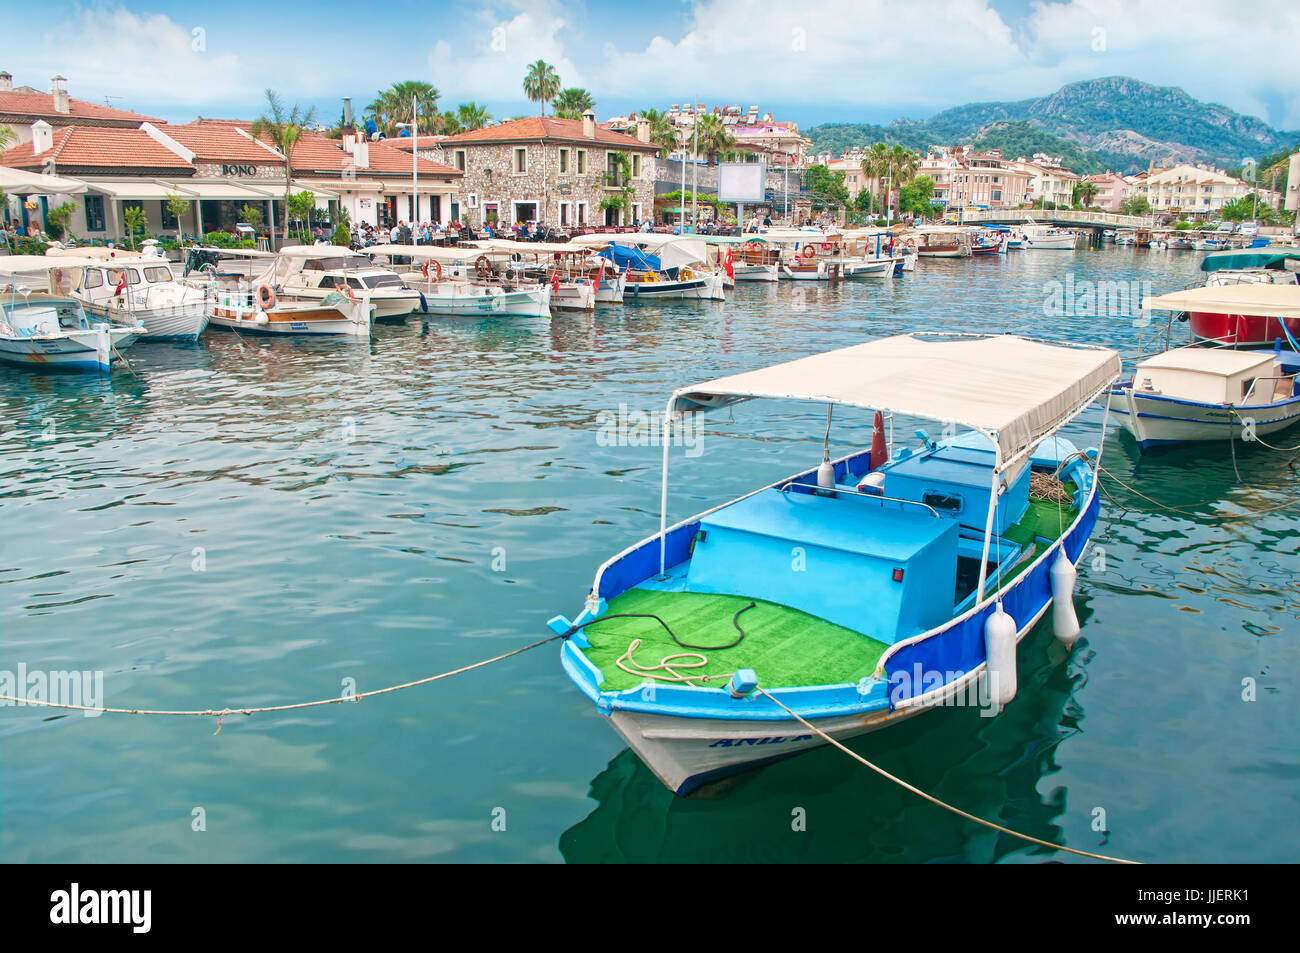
<point x="861" y="592"/>
<point x="52" y="331"/>
<point x="1248" y="314"/>
<point x="1200" y="394"/>
<point x="657" y="266"/>
<point x="137" y="291"/>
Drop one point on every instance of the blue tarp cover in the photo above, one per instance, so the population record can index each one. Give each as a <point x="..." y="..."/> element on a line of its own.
<point x="622" y="256"/>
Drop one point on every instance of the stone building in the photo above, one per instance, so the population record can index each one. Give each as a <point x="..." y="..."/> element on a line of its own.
<point x="563" y="172"/>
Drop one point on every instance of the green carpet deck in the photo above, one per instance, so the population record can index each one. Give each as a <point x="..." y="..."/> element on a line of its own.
<point x="784" y="646"/>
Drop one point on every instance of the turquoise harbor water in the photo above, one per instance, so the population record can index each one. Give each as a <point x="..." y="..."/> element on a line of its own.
<point x="254" y="522"/>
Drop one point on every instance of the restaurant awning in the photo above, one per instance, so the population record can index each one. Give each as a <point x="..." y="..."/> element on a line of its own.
<point x="19" y="182"/>
<point x="137" y="189"/>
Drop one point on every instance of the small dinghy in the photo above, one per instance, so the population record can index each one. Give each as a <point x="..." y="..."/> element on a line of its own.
<point x="862" y="591"/>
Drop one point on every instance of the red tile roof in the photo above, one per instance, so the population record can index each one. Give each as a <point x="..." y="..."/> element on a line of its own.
<point x="534" y="128"/>
<point x="99" y="148"/>
<point x="220" y="142"/>
<point x="31" y="104"/>
<point x="325" y="156"/>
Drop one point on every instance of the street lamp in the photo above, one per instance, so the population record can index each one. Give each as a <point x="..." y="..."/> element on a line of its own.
<point x="414" y="126"/>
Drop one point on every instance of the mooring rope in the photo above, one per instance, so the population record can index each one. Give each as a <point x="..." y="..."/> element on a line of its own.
<point x="1251" y="514"/>
<point x="220" y="713"/>
<point x="934" y="800"/>
<point x="667" y="664"/>
<point x="1261" y="440"/>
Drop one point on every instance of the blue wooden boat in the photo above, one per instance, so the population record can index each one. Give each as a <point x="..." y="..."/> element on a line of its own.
<point x="862" y="591"/>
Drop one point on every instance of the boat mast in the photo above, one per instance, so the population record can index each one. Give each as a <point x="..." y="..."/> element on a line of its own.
<point x="695" y="169"/>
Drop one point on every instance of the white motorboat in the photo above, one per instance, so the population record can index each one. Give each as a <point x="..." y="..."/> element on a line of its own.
<point x="51" y="331"/>
<point x="137" y="291"/>
<point x="315" y="271"/>
<point x="464" y="280"/>
<point x="1046" y="237"/>
<point x="1198" y="394"/>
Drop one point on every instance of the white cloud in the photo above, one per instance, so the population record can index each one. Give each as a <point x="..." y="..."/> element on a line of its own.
<point x="143" y="59"/>
<point x="487" y="60"/>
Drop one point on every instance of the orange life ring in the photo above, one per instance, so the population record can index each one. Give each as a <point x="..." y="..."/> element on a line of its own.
<point x="437" y="270"/>
<point x="265" y="297"/>
<point x="482" y="266"/>
<point x="809" y="251"/>
<point x="752" y="245"/>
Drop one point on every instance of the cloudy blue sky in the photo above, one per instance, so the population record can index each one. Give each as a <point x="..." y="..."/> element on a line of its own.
<point x="808" y="60"/>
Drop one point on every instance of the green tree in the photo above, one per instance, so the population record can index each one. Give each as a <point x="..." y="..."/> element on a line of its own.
<point x="862" y="202"/>
<point x="1135" y="205"/>
<point x="342" y="230"/>
<point x="471" y="116"/>
<point x="571" y="103"/>
<point x="714" y="140"/>
<point x="827" y="187"/>
<point x="58" y="218"/>
<point x="178" y="207"/>
<point x="662" y="131"/>
<point x="134" y="219"/>
<point x="917" y="197"/>
<point x="1085" y="192"/>
<point x="301" y="206"/>
<point x="7" y="138"/>
<point x="250" y="215"/>
<point x="541" y="83"/>
<point x="393" y="106"/>
<point x="283" y="128"/>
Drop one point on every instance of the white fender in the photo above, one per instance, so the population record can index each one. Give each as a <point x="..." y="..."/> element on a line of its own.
<point x="103" y="347"/>
<point x="1064" y="620"/>
<point x="1000" y="652"/>
<point x="826" y="475"/>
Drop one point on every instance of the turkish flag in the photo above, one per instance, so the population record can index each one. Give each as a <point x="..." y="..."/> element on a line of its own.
<point x="121" y="285"/>
<point x="555" y="281"/>
<point x="731" y="270"/>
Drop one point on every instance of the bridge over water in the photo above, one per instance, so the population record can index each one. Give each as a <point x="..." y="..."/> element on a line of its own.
<point x="1069" y="217"/>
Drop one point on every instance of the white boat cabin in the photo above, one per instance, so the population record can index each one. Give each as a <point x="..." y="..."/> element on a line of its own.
<point x="1214" y="376"/>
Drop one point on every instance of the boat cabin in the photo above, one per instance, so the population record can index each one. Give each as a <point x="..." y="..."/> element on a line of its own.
<point x="1214" y="376"/>
<point x="38" y="315"/>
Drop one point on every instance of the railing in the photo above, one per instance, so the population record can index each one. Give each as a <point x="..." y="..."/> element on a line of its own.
<point x="1059" y="216"/>
<point x="818" y="489"/>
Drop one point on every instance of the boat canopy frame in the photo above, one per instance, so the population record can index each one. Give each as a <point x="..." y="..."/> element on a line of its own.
<point x="860" y="376"/>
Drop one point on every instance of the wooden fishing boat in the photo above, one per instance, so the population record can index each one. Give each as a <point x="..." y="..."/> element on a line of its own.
<point x="940" y="241"/>
<point x="658" y="266"/>
<point x="865" y="590"/>
<point x="468" y="280"/>
<point x="259" y="310"/>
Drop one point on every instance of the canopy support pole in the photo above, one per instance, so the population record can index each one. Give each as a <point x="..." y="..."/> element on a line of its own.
<point x="988" y="523"/>
<point x="663" y="490"/>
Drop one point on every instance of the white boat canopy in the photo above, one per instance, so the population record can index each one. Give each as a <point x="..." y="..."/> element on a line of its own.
<point x="673" y="251"/>
<point x="11" y="265"/>
<point x="443" y="254"/>
<point x="534" y="248"/>
<point x="1275" y="301"/>
<point x="1013" y="390"/>
<point x="315" y="251"/>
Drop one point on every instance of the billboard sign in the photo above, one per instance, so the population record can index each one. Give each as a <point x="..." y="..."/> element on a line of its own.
<point x="742" y="182"/>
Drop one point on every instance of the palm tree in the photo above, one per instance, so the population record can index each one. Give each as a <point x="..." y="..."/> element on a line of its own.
<point x="713" y="137"/>
<point x="1087" y="192"/>
<point x="7" y="137"/>
<point x="471" y="116"/>
<point x="393" y="105"/>
<point x="893" y="163"/>
<point x="541" y="83"/>
<point x="571" y="103"/>
<point x="283" y="128"/>
<point x="662" y="131"/>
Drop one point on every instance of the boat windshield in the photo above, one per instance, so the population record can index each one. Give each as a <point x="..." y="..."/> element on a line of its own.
<point x="337" y="263"/>
<point x="383" y="281"/>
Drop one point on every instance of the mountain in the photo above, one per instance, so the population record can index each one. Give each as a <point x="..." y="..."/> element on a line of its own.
<point x="1124" y="123"/>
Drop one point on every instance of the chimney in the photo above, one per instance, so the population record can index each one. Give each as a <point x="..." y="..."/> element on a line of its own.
<point x="349" y="142"/>
<point x="347" y="112"/>
<point x="361" y="154"/>
<point x="643" y="130"/>
<point x="60" y="93"/>
<point x="6" y="81"/>
<point x="589" y="124"/>
<point x="42" y="137"/>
